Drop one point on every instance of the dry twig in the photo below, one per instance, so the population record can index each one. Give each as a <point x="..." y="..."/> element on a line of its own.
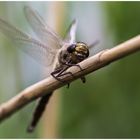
<point x="89" y="65"/>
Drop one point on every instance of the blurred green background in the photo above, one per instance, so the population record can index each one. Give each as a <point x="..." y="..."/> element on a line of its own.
<point x="108" y="105"/>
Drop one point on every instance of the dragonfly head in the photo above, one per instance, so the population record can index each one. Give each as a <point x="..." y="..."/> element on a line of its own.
<point x="79" y="51"/>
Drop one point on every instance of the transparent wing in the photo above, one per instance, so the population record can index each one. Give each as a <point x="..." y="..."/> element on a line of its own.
<point x="94" y="44"/>
<point x="42" y="53"/>
<point x="42" y="30"/>
<point x="92" y="47"/>
<point x="71" y="32"/>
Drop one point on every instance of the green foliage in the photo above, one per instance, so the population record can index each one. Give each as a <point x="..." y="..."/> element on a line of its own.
<point x="107" y="106"/>
<point x="124" y="19"/>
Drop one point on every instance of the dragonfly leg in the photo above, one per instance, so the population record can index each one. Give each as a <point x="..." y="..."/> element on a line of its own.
<point x="83" y="79"/>
<point x="55" y="74"/>
<point x="70" y="65"/>
<point x="59" y="74"/>
<point x="55" y="77"/>
<point x="68" y="85"/>
<point x="66" y="73"/>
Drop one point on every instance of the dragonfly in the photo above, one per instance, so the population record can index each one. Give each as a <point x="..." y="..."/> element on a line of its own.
<point x="56" y="53"/>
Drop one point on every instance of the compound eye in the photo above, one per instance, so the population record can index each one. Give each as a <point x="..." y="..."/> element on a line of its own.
<point x="71" y="48"/>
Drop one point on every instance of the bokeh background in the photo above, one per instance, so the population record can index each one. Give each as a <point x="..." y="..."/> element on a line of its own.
<point x="108" y="105"/>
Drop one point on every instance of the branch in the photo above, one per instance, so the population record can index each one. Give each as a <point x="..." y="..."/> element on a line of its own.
<point x="50" y="84"/>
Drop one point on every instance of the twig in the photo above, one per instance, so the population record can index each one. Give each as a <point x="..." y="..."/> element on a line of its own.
<point x="89" y="65"/>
